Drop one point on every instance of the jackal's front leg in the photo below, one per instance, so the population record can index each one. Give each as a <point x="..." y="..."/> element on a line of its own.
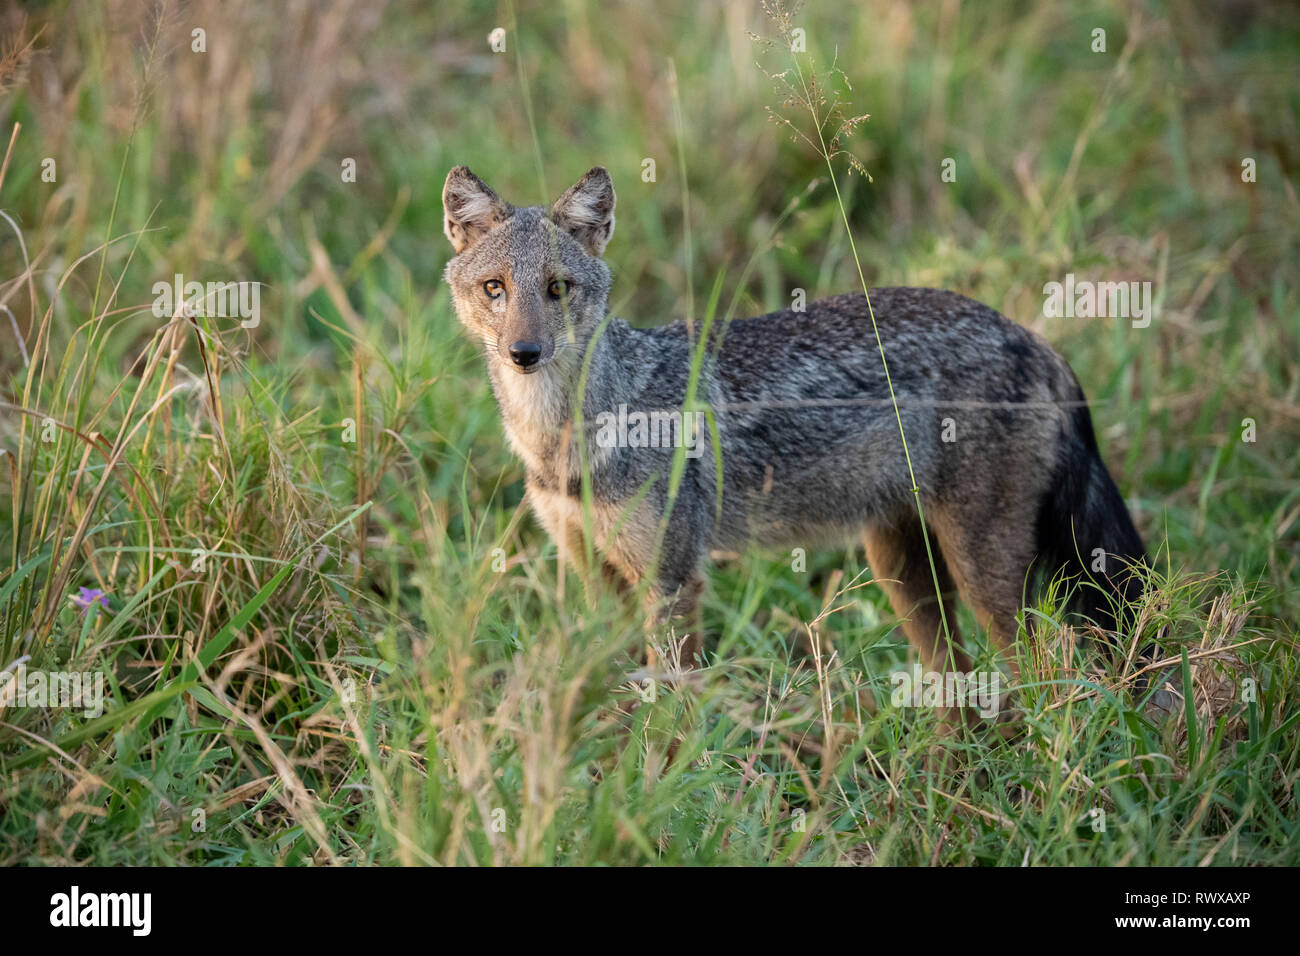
<point x="674" y="631"/>
<point x="668" y="562"/>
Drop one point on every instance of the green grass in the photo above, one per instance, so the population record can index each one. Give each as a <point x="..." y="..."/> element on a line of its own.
<point x="310" y="651"/>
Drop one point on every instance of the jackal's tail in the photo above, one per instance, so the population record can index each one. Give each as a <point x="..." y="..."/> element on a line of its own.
<point x="1084" y="529"/>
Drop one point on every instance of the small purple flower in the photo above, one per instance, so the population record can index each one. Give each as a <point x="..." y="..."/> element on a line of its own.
<point x="89" y="596"/>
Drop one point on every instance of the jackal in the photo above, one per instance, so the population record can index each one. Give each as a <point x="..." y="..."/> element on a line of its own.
<point x="804" y="438"/>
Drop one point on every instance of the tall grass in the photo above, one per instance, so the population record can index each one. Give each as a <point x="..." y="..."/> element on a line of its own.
<point x="334" y="635"/>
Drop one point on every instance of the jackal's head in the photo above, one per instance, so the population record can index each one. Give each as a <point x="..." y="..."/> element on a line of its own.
<point x="528" y="282"/>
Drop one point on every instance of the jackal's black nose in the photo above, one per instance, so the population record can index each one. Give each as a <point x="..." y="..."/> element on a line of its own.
<point x="525" y="353"/>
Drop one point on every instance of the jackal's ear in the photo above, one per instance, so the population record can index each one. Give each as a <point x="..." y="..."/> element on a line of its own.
<point x="469" y="208"/>
<point x="586" y="210"/>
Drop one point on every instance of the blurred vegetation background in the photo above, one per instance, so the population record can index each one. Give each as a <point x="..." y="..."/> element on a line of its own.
<point x="349" y="677"/>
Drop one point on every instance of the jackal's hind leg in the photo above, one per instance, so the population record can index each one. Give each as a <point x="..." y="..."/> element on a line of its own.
<point x="989" y="551"/>
<point x="897" y="557"/>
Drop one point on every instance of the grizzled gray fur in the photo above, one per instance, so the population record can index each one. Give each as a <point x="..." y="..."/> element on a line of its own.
<point x="1001" y="441"/>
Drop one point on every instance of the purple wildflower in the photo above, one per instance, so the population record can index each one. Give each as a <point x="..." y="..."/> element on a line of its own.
<point x="89" y="596"/>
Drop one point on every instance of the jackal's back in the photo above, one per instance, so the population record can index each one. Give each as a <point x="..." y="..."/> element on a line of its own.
<point x="810" y="438"/>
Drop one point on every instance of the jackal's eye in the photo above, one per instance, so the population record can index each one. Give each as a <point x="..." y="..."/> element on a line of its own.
<point x="558" y="289"/>
<point x="493" y="288"/>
